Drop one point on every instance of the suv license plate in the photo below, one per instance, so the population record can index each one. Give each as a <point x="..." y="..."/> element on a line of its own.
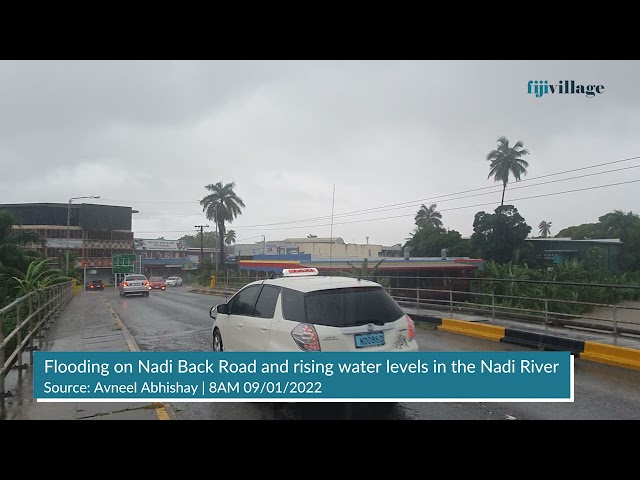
<point x="370" y="340"/>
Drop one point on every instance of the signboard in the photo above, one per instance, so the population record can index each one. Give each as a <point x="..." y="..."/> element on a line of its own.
<point x="62" y="243"/>
<point x="125" y="263"/>
<point x="155" y="244"/>
<point x="85" y="264"/>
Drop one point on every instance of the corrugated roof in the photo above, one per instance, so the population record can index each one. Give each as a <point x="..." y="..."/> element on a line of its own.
<point x="569" y="239"/>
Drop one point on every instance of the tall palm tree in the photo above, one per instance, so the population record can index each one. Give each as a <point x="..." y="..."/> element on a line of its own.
<point x="544" y="228"/>
<point x="230" y="237"/>
<point x="428" y="216"/>
<point x="222" y="205"/>
<point x="507" y="161"/>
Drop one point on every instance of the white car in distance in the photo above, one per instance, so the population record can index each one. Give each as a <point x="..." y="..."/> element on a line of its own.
<point x="173" y="282"/>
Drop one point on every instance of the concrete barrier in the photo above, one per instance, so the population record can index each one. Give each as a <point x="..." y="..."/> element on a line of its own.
<point x="611" y="354"/>
<point x="473" y="329"/>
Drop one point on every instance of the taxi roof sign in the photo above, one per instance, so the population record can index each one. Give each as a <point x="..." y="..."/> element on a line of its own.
<point x="299" y="272"/>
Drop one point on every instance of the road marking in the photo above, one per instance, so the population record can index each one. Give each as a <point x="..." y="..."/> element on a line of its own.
<point x="161" y="409"/>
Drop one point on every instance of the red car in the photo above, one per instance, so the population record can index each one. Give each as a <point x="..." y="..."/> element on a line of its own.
<point x="157" y="283"/>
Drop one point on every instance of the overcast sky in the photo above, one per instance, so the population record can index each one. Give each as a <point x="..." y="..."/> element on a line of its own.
<point x="388" y="136"/>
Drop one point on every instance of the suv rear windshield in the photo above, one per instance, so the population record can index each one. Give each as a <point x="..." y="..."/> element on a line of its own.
<point x="342" y="307"/>
<point x="156" y="279"/>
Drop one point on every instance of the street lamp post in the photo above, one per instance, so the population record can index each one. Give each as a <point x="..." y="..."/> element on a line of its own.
<point x="69" y="221"/>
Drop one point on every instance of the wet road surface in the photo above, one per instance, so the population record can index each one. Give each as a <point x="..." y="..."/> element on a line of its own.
<point x="178" y="320"/>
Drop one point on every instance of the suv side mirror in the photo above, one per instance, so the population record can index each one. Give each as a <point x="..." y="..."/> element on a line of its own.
<point x="223" y="308"/>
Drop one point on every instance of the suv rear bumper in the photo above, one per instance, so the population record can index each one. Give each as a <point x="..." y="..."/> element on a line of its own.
<point x="134" y="290"/>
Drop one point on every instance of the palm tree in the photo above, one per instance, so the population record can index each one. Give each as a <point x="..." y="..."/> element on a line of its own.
<point x="222" y="205"/>
<point x="39" y="275"/>
<point x="15" y="253"/>
<point x="544" y="228"/>
<point x="428" y="217"/>
<point x="230" y="237"/>
<point x="507" y="161"/>
<point x="364" y="270"/>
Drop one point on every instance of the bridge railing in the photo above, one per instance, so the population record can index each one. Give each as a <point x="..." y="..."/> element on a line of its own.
<point x="22" y="322"/>
<point x="547" y="302"/>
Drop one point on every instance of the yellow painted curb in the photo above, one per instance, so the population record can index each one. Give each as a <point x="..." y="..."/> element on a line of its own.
<point x="612" y="355"/>
<point x="473" y="329"/>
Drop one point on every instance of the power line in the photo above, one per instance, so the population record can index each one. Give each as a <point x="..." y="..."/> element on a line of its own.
<point x="380" y="208"/>
<point x="412" y="202"/>
<point x="435" y="199"/>
<point x="140" y="201"/>
<point x="419" y="200"/>
<point x="459" y="208"/>
<point x="408" y="215"/>
<point x="438" y="199"/>
<point x="201" y="227"/>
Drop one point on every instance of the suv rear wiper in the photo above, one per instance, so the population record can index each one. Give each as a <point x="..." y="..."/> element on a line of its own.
<point x="375" y="322"/>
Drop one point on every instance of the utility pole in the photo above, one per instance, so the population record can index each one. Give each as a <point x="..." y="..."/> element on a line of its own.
<point x="201" y="227"/>
<point x="264" y="245"/>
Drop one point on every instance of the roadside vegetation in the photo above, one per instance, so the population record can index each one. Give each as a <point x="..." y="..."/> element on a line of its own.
<point x="511" y="269"/>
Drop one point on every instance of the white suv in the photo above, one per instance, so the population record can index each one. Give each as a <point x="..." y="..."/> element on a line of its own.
<point x="304" y="311"/>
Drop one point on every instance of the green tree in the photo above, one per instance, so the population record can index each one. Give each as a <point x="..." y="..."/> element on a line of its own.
<point x="39" y="275"/>
<point x="15" y="246"/>
<point x="366" y="271"/>
<point x="544" y="228"/>
<point x="586" y="231"/>
<point x="594" y="259"/>
<point x="222" y="205"/>
<point x="209" y="240"/>
<point x="615" y="224"/>
<point x="428" y="216"/>
<point x="507" y="161"/>
<point x="230" y="237"/>
<point x="499" y="236"/>
<point x="429" y="242"/>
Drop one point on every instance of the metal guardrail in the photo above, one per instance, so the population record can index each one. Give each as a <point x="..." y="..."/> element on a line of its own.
<point x="547" y="311"/>
<point x="502" y="306"/>
<point x="24" y="320"/>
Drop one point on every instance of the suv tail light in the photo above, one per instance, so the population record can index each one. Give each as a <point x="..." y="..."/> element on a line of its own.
<point x="412" y="328"/>
<point x="306" y="337"/>
<point x="125" y="284"/>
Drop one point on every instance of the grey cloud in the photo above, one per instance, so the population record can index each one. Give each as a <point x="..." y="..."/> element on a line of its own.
<point x="287" y="131"/>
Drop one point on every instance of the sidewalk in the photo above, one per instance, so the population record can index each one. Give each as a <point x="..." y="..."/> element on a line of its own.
<point x="87" y="323"/>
